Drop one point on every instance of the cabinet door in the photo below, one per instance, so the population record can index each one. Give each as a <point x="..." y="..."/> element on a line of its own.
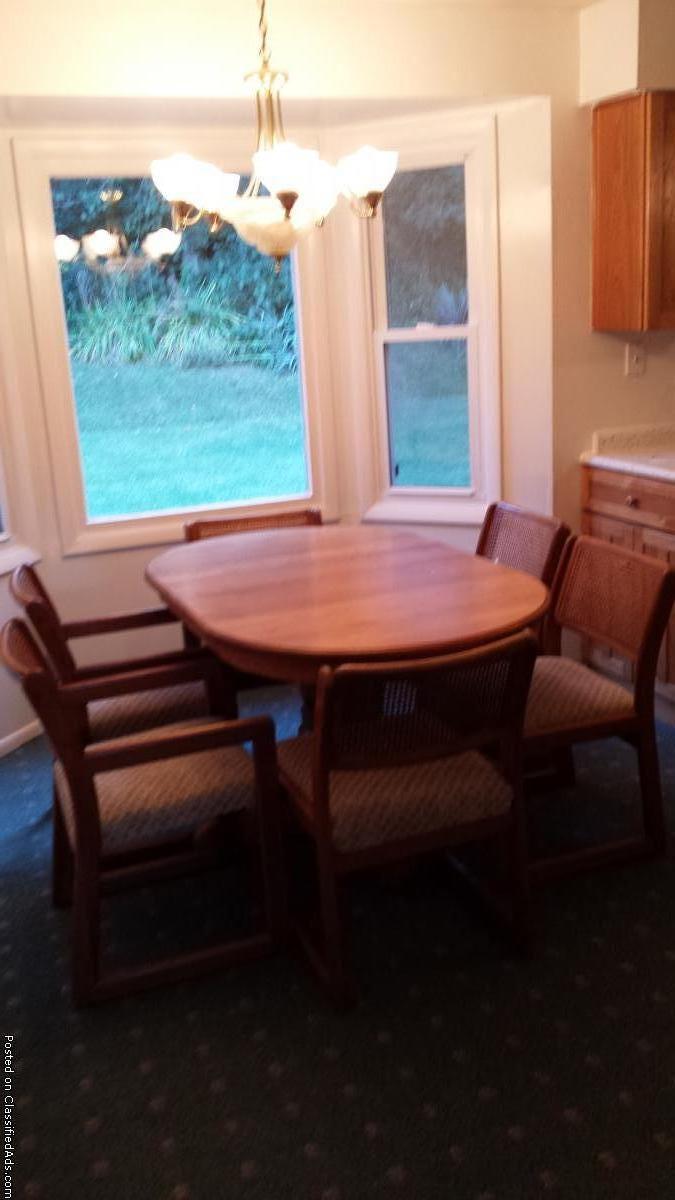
<point x="662" y="545"/>
<point x="619" y="194"/>
<point x="619" y="534"/>
<point x="660" y="263"/>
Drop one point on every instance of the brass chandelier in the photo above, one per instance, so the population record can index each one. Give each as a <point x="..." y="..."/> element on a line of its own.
<point x="301" y="188"/>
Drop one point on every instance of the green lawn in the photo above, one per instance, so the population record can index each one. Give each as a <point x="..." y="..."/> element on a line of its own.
<point x="154" y="437"/>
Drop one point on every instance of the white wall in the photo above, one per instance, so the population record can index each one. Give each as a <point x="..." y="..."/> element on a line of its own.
<point x="609" y="49"/>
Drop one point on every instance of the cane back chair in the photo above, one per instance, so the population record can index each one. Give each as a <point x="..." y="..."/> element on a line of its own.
<point x="524" y="540"/>
<point x="622" y="601"/>
<point x="196" y="530"/>
<point x="217" y="527"/>
<point x="394" y="769"/>
<point x="147" y="807"/>
<point x="123" y="713"/>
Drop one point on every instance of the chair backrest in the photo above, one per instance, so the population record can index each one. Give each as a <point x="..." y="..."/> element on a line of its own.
<point x="196" y="530"/>
<point x="383" y="714"/>
<point x="24" y="658"/>
<point x="618" y="598"/>
<point x="524" y="540"/>
<point x="30" y="593"/>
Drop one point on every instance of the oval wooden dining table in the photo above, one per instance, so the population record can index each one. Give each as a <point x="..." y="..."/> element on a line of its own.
<point x="284" y="602"/>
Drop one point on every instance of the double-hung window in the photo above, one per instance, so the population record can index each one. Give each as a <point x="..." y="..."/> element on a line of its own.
<point x="435" y="285"/>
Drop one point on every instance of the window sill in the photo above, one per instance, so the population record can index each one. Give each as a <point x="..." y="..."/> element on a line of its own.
<point x="135" y="533"/>
<point x="12" y="555"/>
<point x="427" y="510"/>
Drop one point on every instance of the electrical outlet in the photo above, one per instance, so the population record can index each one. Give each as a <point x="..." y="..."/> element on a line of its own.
<point x="636" y="359"/>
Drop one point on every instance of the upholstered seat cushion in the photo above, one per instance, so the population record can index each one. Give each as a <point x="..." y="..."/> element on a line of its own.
<point x="373" y="807"/>
<point x="155" y="802"/>
<point x="565" y="694"/>
<point x="138" y="711"/>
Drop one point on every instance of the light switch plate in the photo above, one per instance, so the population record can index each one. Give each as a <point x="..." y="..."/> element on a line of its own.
<point x="636" y="359"/>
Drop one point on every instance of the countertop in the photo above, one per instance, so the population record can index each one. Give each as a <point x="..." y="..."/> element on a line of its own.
<point x="646" y="450"/>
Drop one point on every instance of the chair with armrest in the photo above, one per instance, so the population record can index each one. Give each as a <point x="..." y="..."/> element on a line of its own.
<point x="621" y="600"/>
<point x="134" y="712"/>
<point x="526" y="541"/>
<point x="394" y="769"/>
<point x="147" y="807"/>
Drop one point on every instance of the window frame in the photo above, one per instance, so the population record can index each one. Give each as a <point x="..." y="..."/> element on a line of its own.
<point x="470" y="141"/>
<point x="37" y="161"/>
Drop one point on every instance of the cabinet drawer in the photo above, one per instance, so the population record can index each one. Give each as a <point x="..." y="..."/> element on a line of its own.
<point x="630" y="498"/>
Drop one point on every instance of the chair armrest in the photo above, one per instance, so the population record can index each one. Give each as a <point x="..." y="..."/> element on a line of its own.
<point x="121" y="683"/>
<point x="170" y="658"/>
<point x="95" y="626"/>
<point x="172" y="743"/>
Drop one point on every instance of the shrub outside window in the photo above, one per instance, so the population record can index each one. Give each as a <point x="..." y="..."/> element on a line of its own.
<point x="184" y="369"/>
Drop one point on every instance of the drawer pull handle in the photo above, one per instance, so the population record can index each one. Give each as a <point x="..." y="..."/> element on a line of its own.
<point x="632" y="502"/>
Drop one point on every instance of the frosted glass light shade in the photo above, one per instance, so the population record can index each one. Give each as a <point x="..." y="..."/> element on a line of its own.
<point x="367" y="170"/>
<point x="285" y="168"/>
<point x="262" y="223"/>
<point x="65" y="248"/>
<point x="200" y="184"/>
<point x="160" y="242"/>
<point x="321" y="193"/>
<point x="101" y="244"/>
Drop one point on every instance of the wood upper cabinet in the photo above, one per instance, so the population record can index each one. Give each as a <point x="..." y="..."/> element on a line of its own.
<point x="634" y="213"/>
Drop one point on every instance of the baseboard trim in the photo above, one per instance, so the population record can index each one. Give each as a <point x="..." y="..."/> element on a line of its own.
<point x="19" y="738"/>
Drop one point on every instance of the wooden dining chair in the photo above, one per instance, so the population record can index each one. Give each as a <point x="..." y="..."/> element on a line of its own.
<point x="147" y="807"/>
<point x="526" y="541"/>
<point x="622" y="601"/>
<point x="394" y="769"/>
<point x="135" y="711"/>
<point x="217" y="527"/>
<point x="241" y="681"/>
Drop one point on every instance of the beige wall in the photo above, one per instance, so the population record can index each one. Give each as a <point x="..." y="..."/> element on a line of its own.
<point x="371" y="49"/>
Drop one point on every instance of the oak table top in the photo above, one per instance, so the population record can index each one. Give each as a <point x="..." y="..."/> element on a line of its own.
<point x="284" y="602"/>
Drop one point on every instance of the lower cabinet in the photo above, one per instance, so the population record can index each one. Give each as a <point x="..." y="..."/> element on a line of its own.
<point x="633" y="535"/>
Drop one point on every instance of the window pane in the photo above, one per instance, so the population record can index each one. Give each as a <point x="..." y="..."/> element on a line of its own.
<point x="184" y="369"/>
<point x="428" y="408"/>
<point x="425" y="248"/>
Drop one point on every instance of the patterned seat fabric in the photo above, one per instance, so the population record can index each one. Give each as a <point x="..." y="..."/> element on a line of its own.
<point x="565" y="694"/>
<point x="136" y="712"/>
<point x="373" y="807"/>
<point x="157" y="801"/>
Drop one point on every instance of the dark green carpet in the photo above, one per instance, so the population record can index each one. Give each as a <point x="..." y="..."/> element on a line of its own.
<point x="463" y="1074"/>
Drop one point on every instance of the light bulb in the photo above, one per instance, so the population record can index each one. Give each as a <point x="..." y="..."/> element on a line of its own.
<point x="101" y="244"/>
<point x="285" y="169"/>
<point x="160" y="242"/>
<point x="199" y="184"/>
<point x="367" y="171"/>
<point x="65" y="248"/>
<point x="320" y="195"/>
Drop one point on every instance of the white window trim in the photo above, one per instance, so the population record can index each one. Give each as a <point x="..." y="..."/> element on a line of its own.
<point x="37" y="159"/>
<point x="433" y="139"/>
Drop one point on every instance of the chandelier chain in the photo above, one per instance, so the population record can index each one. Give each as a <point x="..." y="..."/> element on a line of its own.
<point x="262" y="26"/>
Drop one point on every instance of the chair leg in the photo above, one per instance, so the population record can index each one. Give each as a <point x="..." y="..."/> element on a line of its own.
<point x="520" y="887"/>
<point x="564" y="764"/>
<point x="86" y="931"/>
<point x="650" y="786"/>
<point x="62" y="860"/>
<point x="334" y="936"/>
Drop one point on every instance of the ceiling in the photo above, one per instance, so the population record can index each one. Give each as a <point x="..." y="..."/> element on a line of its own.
<point x="498" y="3"/>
